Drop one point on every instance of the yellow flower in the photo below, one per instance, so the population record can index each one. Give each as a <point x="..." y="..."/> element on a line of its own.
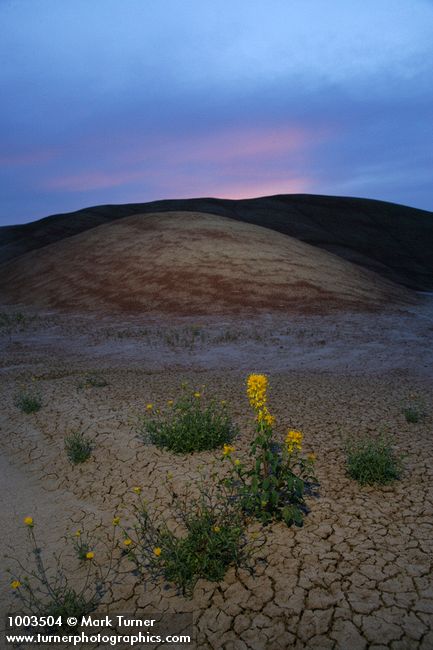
<point x="90" y="555"/>
<point x="237" y="461"/>
<point x="157" y="551"/>
<point x="116" y="521"/>
<point x="127" y="541"/>
<point x="263" y="415"/>
<point x="294" y="441"/>
<point x="28" y="521"/>
<point x="149" y="407"/>
<point x="197" y="394"/>
<point x="170" y="402"/>
<point x="137" y="490"/>
<point x="264" y="504"/>
<point x="228" y="449"/>
<point x="223" y="402"/>
<point x="256" y="390"/>
<point x="216" y="529"/>
<point x="15" y="584"/>
<point x="311" y="457"/>
<point x="78" y="533"/>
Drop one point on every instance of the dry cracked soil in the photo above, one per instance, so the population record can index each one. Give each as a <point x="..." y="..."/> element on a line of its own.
<point x="357" y="575"/>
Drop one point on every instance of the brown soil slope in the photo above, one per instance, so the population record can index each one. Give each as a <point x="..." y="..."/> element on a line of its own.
<point x="393" y="240"/>
<point x="190" y="263"/>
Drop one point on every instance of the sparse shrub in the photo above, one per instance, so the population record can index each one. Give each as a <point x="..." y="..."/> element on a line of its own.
<point x="28" y="401"/>
<point x="412" y="414"/>
<point x="187" y="425"/>
<point x="272" y="484"/>
<point x="78" y="447"/>
<point x="414" y="410"/>
<point x="93" y="380"/>
<point x="55" y="591"/>
<point x="372" y="460"/>
<point x="212" y="539"/>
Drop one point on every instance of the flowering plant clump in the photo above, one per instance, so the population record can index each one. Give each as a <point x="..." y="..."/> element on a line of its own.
<point x="273" y="487"/>
<point x="191" y="423"/>
<point x="211" y="538"/>
<point x="61" y="589"/>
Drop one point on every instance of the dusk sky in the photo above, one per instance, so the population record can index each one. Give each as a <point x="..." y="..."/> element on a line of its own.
<point x="110" y="101"/>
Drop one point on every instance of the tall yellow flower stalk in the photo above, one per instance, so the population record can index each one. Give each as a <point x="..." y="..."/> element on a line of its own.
<point x="256" y="390"/>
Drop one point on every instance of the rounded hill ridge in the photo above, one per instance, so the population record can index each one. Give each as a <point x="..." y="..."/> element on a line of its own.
<point x="189" y="263"/>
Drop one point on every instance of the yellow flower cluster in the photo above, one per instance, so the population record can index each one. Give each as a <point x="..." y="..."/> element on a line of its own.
<point x="256" y="390"/>
<point x="264" y="416"/>
<point x="294" y="441"/>
<point x="228" y="449"/>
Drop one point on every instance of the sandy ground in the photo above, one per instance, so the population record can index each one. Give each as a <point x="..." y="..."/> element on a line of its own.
<point x="357" y="575"/>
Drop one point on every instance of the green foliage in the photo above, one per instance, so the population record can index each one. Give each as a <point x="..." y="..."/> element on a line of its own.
<point x="414" y="410"/>
<point x="372" y="460"/>
<point x="412" y="414"/>
<point x="190" y="424"/>
<point x="28" y="401"/>
<point x="78" y="447"/>
<point x="212" y="540"/>
<point x="272" y="485"/>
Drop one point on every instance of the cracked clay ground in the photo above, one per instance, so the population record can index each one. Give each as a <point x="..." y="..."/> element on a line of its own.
<point x="357" y="575"/>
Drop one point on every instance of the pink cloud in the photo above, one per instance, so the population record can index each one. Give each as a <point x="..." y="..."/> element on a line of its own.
<point x="230" y="163"/>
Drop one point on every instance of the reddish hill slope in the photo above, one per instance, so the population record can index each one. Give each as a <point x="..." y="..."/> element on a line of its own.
<point x="190" y="263"/>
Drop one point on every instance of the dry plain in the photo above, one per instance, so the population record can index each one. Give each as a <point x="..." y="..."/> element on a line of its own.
<point x="358" y="574"/>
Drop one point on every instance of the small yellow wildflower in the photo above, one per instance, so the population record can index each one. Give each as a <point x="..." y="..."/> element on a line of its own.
<point x="90" y="555"/>
<point x="264" y="504"/>
<point x="237" y="461"/>
<point x="127" y="541"/>
<point x="137" y="490"/>
<point x="223" y="402"/>
<point x="149" y="407"/>
<point x="78" y="533"/>
<point x="216" y="529"/>
<point x="157" y="551"/>
<point x="311" y="457"/>
<point x="294" y="441"/>
<point x="228" y="449"/>
<point x="28" y="521"/>
<point x="197" y="394"/>
<point x="170" y="402"/>
<point x="116" y="521"/>
<point x="15" y="584"/>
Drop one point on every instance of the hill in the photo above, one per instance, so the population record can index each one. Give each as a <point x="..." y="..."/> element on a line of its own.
<point x="190" y="263"/>
<point x="393" y="240"/>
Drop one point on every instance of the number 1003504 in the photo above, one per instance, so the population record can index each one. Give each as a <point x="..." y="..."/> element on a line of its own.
<point x="33" y="621"/>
